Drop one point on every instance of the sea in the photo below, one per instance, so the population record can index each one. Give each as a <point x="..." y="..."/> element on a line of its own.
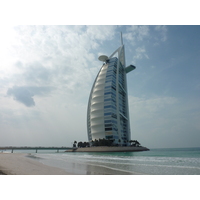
<point x="163" y="161"/>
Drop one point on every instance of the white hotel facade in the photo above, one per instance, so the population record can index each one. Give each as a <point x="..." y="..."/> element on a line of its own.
<point x="108" y="111"/>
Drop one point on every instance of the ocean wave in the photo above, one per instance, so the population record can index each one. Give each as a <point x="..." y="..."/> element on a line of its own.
<point x="129" y="163"/>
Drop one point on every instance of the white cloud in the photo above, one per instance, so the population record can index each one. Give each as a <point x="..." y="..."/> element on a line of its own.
<point x="101" y="32"/>
<point x="140" y="54"/>
<point x="46" y="79"/>
<point x="55" y="56"/>
<point x="162" y="30"/>
<point x="53" y="68"/>
<point x="136" y="33"/>
<point x="141" y="36"/>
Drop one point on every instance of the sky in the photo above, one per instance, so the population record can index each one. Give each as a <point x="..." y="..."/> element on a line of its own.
<point x="47" y="72"/>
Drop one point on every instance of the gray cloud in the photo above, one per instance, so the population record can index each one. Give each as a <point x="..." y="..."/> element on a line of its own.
<point x="25" y="94"/>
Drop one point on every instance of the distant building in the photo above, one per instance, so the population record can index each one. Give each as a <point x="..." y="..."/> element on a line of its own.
<point x="108" y="112"/>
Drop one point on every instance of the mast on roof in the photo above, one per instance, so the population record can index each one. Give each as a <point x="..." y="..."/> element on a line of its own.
<point x="121" y="39"/>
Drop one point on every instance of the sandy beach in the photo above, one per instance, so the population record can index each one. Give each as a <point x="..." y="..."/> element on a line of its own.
<point x="28" y="164"/>
<point x="20" y="164"/>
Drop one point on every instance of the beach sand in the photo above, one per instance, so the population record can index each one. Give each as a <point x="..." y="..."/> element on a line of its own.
<point x="20" y="164"/>
<point x="27" y="164"/>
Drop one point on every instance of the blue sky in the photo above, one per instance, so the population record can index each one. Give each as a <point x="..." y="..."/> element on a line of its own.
<point x="46" y="74"/>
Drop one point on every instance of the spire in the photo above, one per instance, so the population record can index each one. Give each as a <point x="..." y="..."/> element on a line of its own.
<point x="121" y="39"/>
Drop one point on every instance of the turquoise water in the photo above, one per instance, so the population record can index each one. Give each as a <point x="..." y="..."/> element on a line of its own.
<point x="182" y="161"/>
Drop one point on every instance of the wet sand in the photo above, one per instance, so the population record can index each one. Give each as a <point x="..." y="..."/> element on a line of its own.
<point x="27" y="164"/>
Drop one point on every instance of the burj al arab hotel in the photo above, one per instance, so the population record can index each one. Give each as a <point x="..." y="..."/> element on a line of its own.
<point x="108" y="111"/>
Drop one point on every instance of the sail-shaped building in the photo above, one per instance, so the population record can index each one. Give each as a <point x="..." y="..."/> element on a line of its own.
<point x="108" y="111"/>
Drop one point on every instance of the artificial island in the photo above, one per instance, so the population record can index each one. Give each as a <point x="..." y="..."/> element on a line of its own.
<point x="108" y="122"/>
